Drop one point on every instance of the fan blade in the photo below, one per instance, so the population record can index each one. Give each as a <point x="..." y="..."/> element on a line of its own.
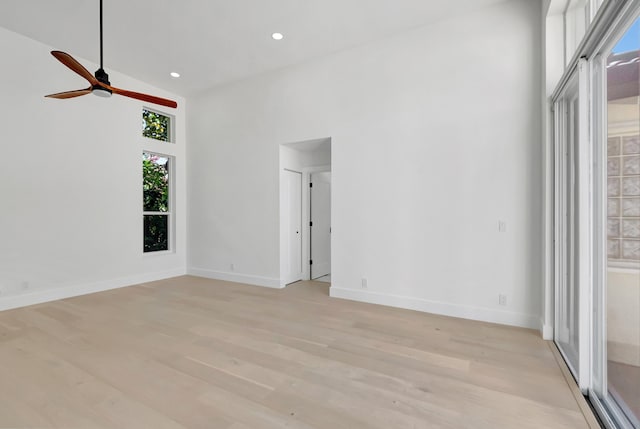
<point x="70" y="94"/>
<point x="74" y="65"/>
<point x="143" y="97"/>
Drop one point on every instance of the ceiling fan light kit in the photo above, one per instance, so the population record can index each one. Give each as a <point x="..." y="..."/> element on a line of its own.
<point x="102" y="77"/>
<point x="99" y="82"/>
<point x="101" y="92"/>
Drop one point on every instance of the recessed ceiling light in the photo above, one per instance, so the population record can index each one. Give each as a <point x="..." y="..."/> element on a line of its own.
<point x="277" y="36"/>
<point x="174" y="74"/>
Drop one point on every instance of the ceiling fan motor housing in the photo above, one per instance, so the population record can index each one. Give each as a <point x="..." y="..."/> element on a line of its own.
<point x="102" y="77"/>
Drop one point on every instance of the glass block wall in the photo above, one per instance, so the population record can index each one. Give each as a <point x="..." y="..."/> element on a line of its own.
<point x="623" y="192"/>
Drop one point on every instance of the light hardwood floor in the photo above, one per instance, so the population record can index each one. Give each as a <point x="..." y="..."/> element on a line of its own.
<point x="198" y="353"/>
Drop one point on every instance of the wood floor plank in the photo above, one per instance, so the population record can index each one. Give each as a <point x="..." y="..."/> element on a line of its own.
<point x="198" y="353"/>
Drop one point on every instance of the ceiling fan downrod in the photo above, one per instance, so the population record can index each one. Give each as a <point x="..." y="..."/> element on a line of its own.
<point x="100" y="74"/>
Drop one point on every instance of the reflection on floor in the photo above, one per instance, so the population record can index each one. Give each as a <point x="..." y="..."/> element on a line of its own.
<point x="624" y="383"/>
<point x="326" y="279"/>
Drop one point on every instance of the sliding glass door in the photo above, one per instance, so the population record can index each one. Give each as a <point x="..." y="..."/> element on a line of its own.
<point x="616" y="387"/>
<point x="596" y="115"/>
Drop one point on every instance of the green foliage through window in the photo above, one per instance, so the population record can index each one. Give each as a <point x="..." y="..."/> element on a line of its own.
<point x="155" y="183"/>
<point x="156" y="233"/>
<point x="155" y="200"/>
<point x="155" y="125"/>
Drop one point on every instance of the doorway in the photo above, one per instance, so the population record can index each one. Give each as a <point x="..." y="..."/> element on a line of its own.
<point x="311" y="160"/>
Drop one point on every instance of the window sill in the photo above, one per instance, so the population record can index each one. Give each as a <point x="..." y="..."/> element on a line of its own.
<point x="159" y="253"/>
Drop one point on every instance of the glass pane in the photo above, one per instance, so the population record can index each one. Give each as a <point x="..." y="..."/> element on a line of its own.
<point x="623" y="220"/>
<point x="155" y="125"/>
<point x="156" y="233"/>
<point x="155" y="183"/>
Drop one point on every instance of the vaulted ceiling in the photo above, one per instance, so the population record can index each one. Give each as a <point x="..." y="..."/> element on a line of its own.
<point x="212" y="42"/>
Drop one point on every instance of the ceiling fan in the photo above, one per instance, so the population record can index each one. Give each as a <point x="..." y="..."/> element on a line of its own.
<point x="99" y="82"/>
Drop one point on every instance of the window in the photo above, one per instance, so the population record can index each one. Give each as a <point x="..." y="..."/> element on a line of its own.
<point x="156" y="125"/>
<point x="156" y="193"/>
<point x="623" y="191"/>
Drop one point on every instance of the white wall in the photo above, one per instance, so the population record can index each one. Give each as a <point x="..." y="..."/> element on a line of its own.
<point x="299" y="160"/>
<point x="71" y="182"/>
<point x="435" y="137"/>
<point x="623" y="316"/>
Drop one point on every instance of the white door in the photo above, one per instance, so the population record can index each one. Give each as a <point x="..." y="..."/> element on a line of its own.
<point x="320" y="224"/>
<point x="294" y="226"/>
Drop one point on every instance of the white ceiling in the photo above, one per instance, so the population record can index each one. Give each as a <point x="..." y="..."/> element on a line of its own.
<point x="211" y="42"/>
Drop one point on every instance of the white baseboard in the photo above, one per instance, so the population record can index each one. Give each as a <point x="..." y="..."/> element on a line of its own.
<point x="235" y="277"/>
<point x="442" y="308"/>
<point x="546" y="330"/>
<point x="54" y="294"/>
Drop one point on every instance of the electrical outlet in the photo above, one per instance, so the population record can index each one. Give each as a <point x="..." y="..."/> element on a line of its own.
<point x="364" y="283"/>
<point x="502" y="299"/>
<point x="502" y="226"/>
<point x="233" y="267"/>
